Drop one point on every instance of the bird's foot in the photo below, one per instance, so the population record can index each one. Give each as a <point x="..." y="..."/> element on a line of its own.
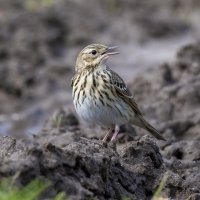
<point x="116" y="131"/>
<point x="105" y="139"/>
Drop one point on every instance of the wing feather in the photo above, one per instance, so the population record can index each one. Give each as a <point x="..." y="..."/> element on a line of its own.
<point x="123" y="92"/>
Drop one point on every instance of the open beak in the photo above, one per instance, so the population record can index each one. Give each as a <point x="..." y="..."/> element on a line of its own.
<point x="109" y="51"/>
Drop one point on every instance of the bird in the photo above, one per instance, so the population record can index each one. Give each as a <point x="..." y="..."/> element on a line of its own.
<point x="101" y="97"/>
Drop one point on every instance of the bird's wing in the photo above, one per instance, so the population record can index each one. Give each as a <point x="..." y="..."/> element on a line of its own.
<point x="123" y="92"/>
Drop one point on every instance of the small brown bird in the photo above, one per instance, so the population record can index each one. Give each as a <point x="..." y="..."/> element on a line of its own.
<point x="101" y="97"/>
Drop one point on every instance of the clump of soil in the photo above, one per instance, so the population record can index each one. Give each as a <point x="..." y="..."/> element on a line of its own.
<point x="85" y="169"/>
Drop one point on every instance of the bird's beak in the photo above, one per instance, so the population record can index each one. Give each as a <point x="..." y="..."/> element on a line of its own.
<point x="109" y="51"/>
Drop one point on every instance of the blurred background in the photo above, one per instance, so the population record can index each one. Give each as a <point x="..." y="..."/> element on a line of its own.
<point x="40" y="39"/>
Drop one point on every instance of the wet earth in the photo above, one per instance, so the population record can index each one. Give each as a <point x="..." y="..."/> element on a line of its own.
<point x="41" y="136"/>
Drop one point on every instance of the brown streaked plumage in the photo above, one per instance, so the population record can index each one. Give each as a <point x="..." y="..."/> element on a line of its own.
<point x="100" y="95"/>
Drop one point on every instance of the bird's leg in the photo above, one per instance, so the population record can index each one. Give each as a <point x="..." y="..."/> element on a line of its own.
<point x="115" y="133"/>
<point x="110" y="130"/>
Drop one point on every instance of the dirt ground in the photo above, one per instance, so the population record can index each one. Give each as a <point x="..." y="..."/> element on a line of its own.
<point x="41" y="135"/>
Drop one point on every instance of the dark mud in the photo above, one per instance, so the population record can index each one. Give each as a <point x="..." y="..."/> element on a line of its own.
<point x="85" y="170"/>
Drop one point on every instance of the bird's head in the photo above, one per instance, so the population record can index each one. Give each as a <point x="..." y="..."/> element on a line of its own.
<point x="93" y="55"/>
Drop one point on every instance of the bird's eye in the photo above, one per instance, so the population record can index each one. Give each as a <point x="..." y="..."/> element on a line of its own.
<point x="94" y="52"/>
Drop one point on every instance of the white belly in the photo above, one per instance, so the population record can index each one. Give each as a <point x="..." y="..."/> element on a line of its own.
<point x="104" y="116"/>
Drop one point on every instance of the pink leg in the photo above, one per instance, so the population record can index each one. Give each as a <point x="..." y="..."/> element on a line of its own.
<point x="115" y="133"/>
<point x="110" y="130"/>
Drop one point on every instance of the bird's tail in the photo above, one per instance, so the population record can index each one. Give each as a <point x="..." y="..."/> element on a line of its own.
<point x="150" y="128"/>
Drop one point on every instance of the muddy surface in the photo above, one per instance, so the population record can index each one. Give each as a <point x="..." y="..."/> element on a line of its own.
<point x="160" y="59"/>
<point x="87" y="170"/>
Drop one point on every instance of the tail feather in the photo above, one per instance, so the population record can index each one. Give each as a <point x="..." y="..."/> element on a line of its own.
<point x="151" y="129"/>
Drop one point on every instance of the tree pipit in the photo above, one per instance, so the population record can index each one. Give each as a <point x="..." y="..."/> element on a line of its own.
<point x="100" y="95"/>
